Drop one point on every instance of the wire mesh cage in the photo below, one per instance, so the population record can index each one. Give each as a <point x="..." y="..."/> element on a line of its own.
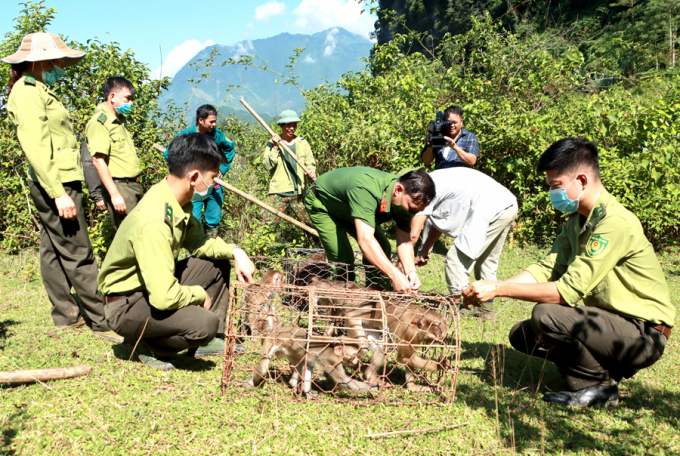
<point x="329" y="336"/>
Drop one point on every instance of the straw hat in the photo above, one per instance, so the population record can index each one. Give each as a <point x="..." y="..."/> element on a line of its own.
<point x="288" y="116"/>
<point x="36" y="47"/>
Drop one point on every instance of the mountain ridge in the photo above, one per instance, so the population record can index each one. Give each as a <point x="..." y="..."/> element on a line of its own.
<point x="327" y="56"/>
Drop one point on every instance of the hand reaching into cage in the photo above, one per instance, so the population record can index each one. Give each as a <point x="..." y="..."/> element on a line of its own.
<point x="243" y="266"/>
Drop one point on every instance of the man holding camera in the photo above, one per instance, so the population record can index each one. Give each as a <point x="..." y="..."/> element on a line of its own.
<point x="448" y="143"/>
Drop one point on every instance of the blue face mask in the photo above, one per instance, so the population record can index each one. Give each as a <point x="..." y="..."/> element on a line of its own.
<point x="202" y="196"/>
<point x="561" y="201"/>
<point x="53" y="76"/>
<point x="124" y="108"/>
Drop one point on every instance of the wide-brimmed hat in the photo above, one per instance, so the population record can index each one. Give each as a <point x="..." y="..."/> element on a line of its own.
<point x="36" y="47"/>
<point x="288" y="116"/>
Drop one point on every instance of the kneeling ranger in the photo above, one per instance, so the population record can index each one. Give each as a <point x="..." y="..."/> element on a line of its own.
<point x="172" y="305"/>
<point x="604" y="310"/>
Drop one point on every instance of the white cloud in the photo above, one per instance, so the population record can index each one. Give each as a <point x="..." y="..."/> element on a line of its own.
<point x="269" y="10"/>
<point x="330" y="43"/>
<point x="243" y="48"/>
<point x="317" y="15"/>
<point x="179" y="56"/>
<point x="309" y="59"/>
<point x="249" y="26"/>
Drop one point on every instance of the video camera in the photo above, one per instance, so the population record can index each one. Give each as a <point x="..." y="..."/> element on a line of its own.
<point x="437" y="128"/>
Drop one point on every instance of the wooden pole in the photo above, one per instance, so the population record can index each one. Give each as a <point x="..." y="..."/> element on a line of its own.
<point x="262" y="204"/>
<point x="269" y="130"/>
<point x="267" y="207"/>
<point x="59" y="373"/>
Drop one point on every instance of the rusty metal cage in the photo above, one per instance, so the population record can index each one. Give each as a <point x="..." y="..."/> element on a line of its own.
<point x="332" y="333"/>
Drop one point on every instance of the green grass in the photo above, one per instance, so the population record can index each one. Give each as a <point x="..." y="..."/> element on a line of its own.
<point x="127" y="409"/>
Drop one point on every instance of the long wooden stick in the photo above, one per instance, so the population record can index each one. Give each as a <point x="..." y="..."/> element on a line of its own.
<point x="267" y="207"/>
<point x="415" y="431"/>
<point x="269" y="130"/>
<point x="29" y="376"/>
<point x="262" y="204"/>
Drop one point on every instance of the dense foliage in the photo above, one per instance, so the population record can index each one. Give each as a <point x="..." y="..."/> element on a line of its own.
<point x="519" y="92"/>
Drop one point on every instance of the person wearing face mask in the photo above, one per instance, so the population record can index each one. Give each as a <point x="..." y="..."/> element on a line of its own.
<point x="477" y="212"/>
<point x="210" y="205"/>
<point x="173" y="305"/>
<point x="55" y="176"/>
<point x="356" y="201"/>
<point x="113" y="151"/>
<point x="603" y="307"/>
<point x="287" y="180"/>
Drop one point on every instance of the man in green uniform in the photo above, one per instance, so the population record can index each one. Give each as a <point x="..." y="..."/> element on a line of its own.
<point x="604" y="309"/>
<point x="172" y="306"/>
<point x="356" y="201"/>
<point x="113" y="151"/>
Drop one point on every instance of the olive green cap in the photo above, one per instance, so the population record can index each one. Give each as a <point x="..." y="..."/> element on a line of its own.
<point x="288" y="116"/>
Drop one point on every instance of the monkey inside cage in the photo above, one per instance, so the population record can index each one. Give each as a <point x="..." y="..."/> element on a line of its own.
<point x="332" y="332"/>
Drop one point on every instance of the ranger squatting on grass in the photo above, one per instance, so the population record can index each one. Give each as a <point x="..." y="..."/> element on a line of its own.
<point x="603" y="308"/>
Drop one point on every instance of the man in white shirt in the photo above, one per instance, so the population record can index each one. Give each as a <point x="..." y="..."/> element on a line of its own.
<point x="475" y="210"/>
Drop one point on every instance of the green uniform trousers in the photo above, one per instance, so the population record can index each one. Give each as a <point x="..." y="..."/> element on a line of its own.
<point x="589" y="345"/>
<point x="131" y="192"/>
<point x="333" y="235"/>
<point x="167" y="332"/>
<point x="66" y="260"/>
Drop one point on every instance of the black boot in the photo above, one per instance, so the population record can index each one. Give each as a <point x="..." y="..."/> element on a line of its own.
<point x="586" y="397"/>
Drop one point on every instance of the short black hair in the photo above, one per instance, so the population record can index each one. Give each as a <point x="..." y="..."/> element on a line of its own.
<point x="114" y="84"/>
<point x="418" y="185"/>
<point x="570" y="155"/>
<point x="453" y="110"/>
<point x="204" y="111"/>
<point x="193" y="151"/>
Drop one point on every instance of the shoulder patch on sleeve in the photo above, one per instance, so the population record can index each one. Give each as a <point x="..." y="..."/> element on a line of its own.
<point x="102" y="118"/>
<point x="599" y="213"/>
<point x="30" y="80"/>
<point x="596" y="245"/>
<point x="169" y="218"/>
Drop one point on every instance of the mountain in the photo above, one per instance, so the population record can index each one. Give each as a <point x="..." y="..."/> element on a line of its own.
<point x="327" y="56"/>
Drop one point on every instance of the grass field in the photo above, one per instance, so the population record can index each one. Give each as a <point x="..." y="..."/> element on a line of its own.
<point x="124" y="408"/>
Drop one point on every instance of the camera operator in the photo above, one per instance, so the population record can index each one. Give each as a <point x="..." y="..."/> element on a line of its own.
<point x="462" y="147"/>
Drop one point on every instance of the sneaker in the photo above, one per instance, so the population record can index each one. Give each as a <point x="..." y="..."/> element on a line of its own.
<point x="78" y="324"/>
<point x="157" y="362"/>
<point x="214" y="348"/>
<point x="111" y="336"/>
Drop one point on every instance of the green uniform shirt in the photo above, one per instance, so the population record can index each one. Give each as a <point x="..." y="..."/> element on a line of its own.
<point x="606" y="261"/>
<point x="281" y="178"/>
<point x="363" y="193"/>
<point x="45" y="134"/>
<point x="145" y="249"/>
<point x="106" y="134"/>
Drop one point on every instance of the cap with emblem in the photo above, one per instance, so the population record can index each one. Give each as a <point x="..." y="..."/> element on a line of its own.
<point x="36" y="47"/>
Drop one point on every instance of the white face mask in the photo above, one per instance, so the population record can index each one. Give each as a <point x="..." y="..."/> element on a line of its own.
<point x="202" y="196"/>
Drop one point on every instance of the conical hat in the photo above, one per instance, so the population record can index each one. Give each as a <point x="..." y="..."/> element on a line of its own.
<point x="40" y="46"/>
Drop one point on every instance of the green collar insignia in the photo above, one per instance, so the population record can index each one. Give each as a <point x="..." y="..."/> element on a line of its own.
<point x="30" y="80"/>
<point x="596" y="245"/>
<point x="169" y="218"/>
<point x="102" y="118"/>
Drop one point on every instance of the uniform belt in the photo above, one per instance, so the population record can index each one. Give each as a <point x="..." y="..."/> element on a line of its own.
<point x="113" y="297"/>
<point x="123" y="180"/>
<point x="663" y="329"/>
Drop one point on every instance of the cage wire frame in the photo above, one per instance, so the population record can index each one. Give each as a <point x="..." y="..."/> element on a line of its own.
<point x="325" y="315"/>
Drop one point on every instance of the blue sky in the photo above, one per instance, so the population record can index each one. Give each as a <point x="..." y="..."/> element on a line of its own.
<point x="182" y="28"/>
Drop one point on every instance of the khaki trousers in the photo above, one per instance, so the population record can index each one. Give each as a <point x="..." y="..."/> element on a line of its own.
<point x="459" y="266"/>
<point x="66" y="260"/>
<point x="589" y="345"/>
<point x="131" y="192"/>
<point x="168" y="332"/>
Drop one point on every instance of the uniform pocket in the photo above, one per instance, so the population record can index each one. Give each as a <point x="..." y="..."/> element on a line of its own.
<point x="67" y="160"/>
<point x="600" y="287"/>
